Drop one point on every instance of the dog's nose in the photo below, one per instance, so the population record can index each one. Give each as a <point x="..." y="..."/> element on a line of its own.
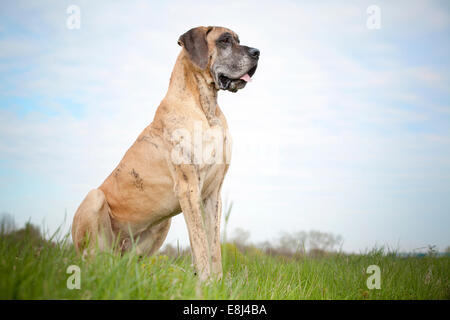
<point x="254" y="53"/>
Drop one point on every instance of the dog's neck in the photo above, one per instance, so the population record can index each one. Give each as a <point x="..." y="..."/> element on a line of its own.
<point x="187" y="82"/>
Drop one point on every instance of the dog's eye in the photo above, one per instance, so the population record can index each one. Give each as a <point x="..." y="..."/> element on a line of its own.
<point x="226" y="40"/>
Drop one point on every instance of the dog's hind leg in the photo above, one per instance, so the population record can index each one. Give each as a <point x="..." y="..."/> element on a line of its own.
<point x="91" y="225"/>
<point x="152" y="239"/>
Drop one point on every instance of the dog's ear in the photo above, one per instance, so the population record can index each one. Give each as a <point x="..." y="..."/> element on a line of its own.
<point x="194" y="41"/>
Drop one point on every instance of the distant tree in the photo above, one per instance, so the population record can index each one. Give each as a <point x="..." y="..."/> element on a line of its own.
<point x="315" y="242"/>
<point x="292" y="243"/>
<point x="323" y="241"/>
<point x="174" y="252"/>
<point x="7" y="223"/>
<point x="30" y="230"/>
<point x="240" y="236"/>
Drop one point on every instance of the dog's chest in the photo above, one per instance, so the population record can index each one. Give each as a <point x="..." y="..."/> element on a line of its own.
<point x="215" y="155"/>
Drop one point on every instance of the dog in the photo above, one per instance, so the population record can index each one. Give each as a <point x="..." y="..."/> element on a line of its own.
<point x="162" y="174"/>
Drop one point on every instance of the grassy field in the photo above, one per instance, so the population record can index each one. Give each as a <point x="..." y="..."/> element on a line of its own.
<point x="34" y="269"/>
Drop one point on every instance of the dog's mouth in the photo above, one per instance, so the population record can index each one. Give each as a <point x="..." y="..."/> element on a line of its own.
<point x="234" y="84"/>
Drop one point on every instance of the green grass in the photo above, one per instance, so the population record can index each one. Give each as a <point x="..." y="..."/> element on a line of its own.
<point x="36" y="269"/>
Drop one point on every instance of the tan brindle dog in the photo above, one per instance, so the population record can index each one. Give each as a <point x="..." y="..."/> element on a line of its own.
<point x="151" y="184"/>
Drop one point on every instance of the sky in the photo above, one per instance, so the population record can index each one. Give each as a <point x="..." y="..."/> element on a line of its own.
<point x="345" y="128"/>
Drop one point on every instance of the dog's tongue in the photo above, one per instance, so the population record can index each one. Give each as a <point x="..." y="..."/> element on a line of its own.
<point x="246" y="78"/>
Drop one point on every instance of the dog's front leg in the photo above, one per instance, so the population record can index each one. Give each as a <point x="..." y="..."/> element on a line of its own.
<point x="188" y="191"/>
<point x="213" y="210"/>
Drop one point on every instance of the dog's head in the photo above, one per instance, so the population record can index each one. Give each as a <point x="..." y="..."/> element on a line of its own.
<point x="218" y="51"/>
